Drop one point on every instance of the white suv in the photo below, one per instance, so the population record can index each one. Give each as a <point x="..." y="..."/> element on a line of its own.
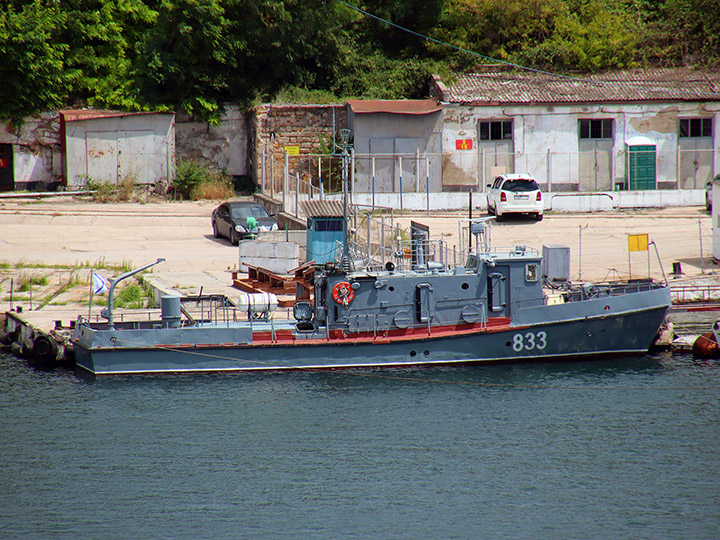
<point x="514" y="194"/>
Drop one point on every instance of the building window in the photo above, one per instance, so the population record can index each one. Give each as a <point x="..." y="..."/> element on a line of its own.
<point x="696" y="127"/>
<point x="596" y="129"/>
<point x="496" y="131"/>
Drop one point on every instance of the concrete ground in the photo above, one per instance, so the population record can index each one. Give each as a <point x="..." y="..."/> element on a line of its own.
<point x="74" y="234"/>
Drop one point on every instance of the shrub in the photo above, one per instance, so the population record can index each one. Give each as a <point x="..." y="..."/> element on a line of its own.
<point x="104" y="192"/>
<point x="197" y="180"/>
<point x="130" y="297"/>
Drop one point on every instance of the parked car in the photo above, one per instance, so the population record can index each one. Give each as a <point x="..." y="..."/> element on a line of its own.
<point x="708" y="192"/>
<point x="708" y="196"/>
<point x="515" y="194"/>
<point x="238" y="220"/>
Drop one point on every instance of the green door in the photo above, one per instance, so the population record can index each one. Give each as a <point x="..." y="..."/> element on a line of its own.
<point x="641" y="167"/>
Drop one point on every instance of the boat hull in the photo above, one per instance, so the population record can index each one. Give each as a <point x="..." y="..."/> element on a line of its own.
<point x="627" y="332"/>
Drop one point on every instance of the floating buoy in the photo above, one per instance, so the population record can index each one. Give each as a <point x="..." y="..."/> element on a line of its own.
<point x="705" y="346"/>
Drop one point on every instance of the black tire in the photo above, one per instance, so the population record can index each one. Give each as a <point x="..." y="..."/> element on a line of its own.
<point x="539" y="217"/>
<point x="234" y="240"/>
<point x="498" y="217"/>
<point x="216" y="234"/>
<point x="44" y="351"/>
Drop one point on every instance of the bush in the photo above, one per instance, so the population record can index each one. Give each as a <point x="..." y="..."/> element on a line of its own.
<point x="130" y="297"/>
<point x="196" y="180"/>
<point x="105" y="192"/>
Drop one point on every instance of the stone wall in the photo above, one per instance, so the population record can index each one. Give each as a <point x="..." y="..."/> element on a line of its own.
<point x="307" y="129"/>
<point x="225" y="145"/>
<point x="36" y="152"/>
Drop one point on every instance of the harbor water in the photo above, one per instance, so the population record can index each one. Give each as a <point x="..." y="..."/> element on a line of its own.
<point x="621" y="449"/>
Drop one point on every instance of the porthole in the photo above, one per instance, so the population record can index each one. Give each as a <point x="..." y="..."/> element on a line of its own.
<point x="427" y="353"/>
<point x="413" y="353"/>
<point x="391" y="288"/>
<point x="465" y="286"/>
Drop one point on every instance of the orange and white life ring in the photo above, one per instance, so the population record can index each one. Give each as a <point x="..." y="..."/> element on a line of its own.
<point x="343" y="293"/>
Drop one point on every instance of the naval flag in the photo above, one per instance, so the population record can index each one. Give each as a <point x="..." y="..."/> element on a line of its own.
<point x="100" y="285"/>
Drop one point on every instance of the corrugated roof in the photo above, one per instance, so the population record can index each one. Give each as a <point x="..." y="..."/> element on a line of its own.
<point x="395" y="106"/>
<point x="75" y="115"/>
<point x="499" y="85"/>
<point x="316" y="208"/>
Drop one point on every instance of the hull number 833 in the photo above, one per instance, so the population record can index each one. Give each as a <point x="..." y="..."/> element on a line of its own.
<point x="529" y="341"/>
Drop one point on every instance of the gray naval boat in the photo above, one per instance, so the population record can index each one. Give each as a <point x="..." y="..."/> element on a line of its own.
<point x="496" y="307"/>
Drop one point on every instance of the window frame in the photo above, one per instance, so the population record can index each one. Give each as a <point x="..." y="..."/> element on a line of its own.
<point x="597" y="129"/>
<point x="495" y="130"/>
<point x="696" y="127"/>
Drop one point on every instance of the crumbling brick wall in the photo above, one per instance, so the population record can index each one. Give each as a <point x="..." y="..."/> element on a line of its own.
<point x="307" y="129"/>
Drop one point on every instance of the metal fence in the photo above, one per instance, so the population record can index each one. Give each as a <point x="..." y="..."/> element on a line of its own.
<point x="287" y="176"/>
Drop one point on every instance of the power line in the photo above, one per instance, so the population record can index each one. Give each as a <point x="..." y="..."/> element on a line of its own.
<point x="428" y="38"/>
<point x="638" y="84"/>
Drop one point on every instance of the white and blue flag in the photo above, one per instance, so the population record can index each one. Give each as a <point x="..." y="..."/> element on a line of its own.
<point x="100" y="284"/>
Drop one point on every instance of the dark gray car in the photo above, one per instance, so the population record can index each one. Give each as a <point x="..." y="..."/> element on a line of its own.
<point x="241" y="219"/>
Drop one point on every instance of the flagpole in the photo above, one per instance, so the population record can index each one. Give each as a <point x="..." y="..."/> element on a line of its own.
<point x="92" y="289"/>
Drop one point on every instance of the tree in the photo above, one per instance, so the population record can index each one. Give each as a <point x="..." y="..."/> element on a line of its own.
<point x="101" y="35"/>
<point x="32" y="69"/>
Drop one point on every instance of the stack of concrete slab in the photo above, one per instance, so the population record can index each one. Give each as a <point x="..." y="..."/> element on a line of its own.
<point x="278" y="257"/>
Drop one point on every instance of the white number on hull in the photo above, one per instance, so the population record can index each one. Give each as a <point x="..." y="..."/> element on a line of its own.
<point x="529" y="341"/>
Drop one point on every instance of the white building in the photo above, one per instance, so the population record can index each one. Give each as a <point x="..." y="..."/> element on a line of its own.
<point x="641" y="130"/>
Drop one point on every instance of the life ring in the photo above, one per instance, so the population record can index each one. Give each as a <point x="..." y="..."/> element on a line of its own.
<point x="343" y="293"/>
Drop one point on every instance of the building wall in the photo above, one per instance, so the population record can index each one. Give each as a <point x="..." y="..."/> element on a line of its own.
<point x="305" y="129"/>
<point x="387" y="137"/>
<point x="112" y="149"/>
<point x="224" y="145"/>
<point x="36" y="162"/>
<point x="546" y="144"/>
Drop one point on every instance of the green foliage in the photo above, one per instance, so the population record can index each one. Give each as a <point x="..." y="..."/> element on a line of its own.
<point x="34" y="75"/>
<point x="594" y="38"/>
<point x="105" y="192"/>
<point x="374" y="76"/>
<point x="189" y="174"/>
<point x="683" y="32"/>
<point x="199" y="55"/>
<point x="132" y="296"/>
<point x="198" y="180"/>
<point x="101" y="35"/>
<point x="25" y="283"/>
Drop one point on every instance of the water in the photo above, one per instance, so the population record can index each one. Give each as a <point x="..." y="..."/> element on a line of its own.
<point x="627" y="449"/>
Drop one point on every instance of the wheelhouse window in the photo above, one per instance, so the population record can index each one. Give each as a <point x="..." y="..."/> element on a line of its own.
<point x="596" y="129"/>
<point x="695" y="127"/>
<point x="496" y="130"/>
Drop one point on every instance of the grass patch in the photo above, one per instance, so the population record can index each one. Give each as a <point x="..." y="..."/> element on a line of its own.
<point x="25" y="283"/>
<point x="133" y="297"/>
<point x="100" y="264"/>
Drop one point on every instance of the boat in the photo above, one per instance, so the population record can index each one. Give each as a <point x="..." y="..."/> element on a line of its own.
<point x="496" y="306"/>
